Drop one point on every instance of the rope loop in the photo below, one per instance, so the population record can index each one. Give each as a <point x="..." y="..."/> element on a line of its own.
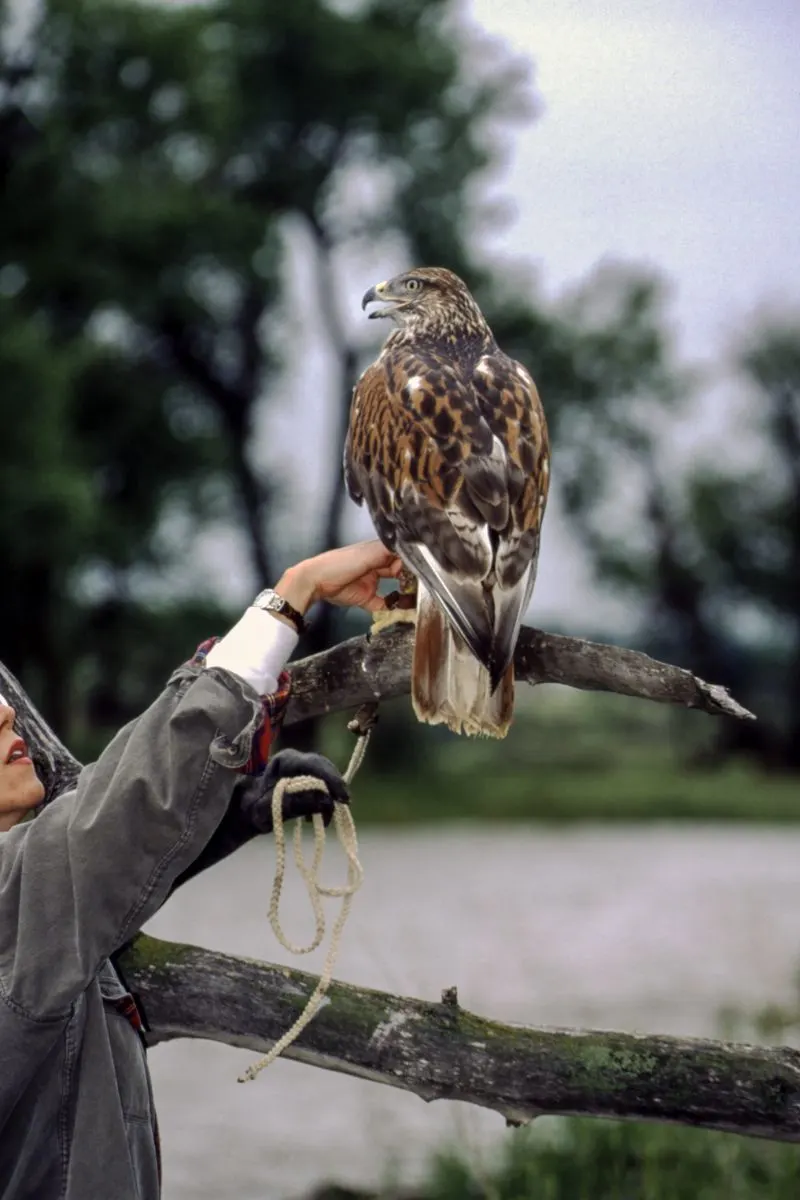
<point x="345" y="829"/>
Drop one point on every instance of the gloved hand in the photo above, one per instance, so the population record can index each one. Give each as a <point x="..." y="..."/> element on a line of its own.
<point x="250" y="809"/>
<point x="287" y="764"/>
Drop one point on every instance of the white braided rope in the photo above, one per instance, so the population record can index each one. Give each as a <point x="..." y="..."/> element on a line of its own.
<point x="346" y="833"/>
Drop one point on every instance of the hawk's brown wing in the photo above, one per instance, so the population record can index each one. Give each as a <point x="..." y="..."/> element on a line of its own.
<point x="453" y="467"/>
<point x="510" y="403"/>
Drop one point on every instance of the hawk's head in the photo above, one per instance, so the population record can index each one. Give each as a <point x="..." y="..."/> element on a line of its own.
<point x="427" y="299"/>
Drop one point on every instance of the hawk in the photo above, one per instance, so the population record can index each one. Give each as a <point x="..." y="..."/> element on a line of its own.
<point x="447" y="445"/>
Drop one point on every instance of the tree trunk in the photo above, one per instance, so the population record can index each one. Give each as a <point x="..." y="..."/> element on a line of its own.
<point x="786" y="403"/>
<point x="323" y="629"/>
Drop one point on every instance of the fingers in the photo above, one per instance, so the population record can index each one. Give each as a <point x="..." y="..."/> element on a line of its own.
<point x="324" y="769"/>
<point x="307" y="805"/>
<point x="296" y="762"/>
<point x="371" y="556"/>
<point x="337" y="788"/>
<point x="374" y="604"/>
<point x="328" y="574"/>
<point x="285" y="762"/>
<point x="374" y="553"/>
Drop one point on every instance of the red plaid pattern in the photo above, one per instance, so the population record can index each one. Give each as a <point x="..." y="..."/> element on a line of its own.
<point x="273" y="710"/>
<point x="128" y="1008"/>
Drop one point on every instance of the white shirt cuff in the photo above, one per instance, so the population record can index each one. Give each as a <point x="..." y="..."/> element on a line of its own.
<point x="256" y="649"/>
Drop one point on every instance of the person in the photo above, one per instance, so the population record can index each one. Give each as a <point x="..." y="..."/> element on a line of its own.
<point x="173" y="792"/>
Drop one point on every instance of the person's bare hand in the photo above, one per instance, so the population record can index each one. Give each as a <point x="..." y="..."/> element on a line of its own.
<point x="348" y="576"/>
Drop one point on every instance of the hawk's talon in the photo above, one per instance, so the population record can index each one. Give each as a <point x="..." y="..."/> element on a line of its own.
<point x="407" y="582"/>
<point x="400" y="600"/>
<point x="384" y="618"/>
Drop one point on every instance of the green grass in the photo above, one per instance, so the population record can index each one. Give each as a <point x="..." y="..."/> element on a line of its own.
<point x="569" y="756"/>
<point x="629" y="791"/>
<point x="598" y="1160"/>
<point x="582" y="1159"/>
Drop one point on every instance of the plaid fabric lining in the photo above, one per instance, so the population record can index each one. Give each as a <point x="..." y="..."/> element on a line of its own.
<point x="128" y="1008"/>
<point x="273" y="711"/>
<point x="126" y="1005"/>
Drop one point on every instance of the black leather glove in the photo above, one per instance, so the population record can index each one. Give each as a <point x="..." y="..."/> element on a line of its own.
<point x="250" y="810"/>
<point x="287" y="764"/>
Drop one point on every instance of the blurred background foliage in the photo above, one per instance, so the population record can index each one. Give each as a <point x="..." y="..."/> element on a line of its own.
<point x="156" y="161"/>
<point x="601" y="1160"/>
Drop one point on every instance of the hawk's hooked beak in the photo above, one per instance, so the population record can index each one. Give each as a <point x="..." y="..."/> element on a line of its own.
<point x="374" y="295"/>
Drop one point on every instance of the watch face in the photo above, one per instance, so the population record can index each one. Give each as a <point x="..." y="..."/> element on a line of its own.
<point x="269" y="599"/>
<point x="272" y="602"/>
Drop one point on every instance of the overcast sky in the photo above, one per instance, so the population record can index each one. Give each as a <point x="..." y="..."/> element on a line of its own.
<point x="670" y="134"/>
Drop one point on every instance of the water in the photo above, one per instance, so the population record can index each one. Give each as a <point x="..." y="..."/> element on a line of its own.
<point x="643" y="929"/>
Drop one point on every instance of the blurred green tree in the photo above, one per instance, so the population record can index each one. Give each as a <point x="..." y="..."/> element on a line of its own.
<point x="156" y="162"/>
<point x="745" y="520"/>
<point x="709" y="552"/>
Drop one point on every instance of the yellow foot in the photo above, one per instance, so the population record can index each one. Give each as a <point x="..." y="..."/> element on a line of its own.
<point x="407" y="582"/>
<point x="386" y="617"/>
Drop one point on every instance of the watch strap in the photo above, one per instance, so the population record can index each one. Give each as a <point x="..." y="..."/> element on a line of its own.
<point x="271" y="601"/>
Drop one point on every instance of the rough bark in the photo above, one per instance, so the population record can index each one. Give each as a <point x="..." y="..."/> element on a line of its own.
<point x="377" y="668"/>
<point x="442" y="1052"/>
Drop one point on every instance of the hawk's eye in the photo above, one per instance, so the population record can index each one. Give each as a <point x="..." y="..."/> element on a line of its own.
<point x="412" y="285"/>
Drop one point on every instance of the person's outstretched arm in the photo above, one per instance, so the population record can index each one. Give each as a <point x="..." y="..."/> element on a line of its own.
<point x="85" y="875"/>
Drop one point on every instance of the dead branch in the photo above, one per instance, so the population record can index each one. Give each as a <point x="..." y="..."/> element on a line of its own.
<point x="442" y="1052"/>
<point x="378" y="668"/>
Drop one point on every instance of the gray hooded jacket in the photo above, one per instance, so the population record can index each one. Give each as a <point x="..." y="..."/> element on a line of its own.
<point x="76" y="1109"/>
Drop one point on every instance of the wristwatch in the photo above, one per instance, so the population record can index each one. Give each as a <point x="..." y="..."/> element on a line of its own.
<point x="270" y="601"/>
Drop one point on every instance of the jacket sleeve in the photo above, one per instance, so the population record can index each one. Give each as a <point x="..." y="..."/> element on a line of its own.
<point x="234" y="831"/>
<point x="87" y="873"/>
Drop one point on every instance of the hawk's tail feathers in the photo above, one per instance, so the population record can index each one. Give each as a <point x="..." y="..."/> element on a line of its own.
<point x="448" y="684"/>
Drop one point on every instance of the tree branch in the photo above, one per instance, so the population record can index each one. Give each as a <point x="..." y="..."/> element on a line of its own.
<point x="368" y="668"/>
<point x="441" y="1051"/>
<point x="378" y="668"/>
